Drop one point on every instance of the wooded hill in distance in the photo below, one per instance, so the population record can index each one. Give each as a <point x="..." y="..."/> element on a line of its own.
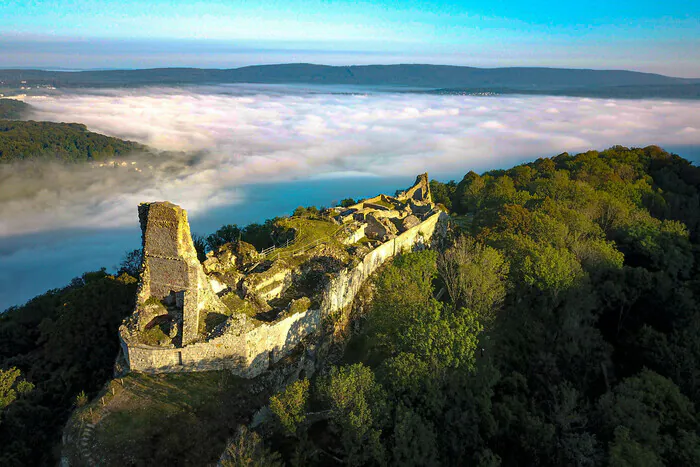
<point x="48" y="141"/>
<point x="12" y="109"/>
<point x="61" y="142"/>
<point x="504" y="80"/>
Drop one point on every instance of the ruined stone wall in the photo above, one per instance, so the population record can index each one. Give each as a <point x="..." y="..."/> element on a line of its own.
<point x="267" y="344"/>
<point x="356" y="235"/>
<point x="271" y="283"/>
<point x="247" y="354"/>
<point x="342" y="289"/>
<point x="250" y="353"/>
<point x="164" y="230"/>
<point x="170" y="264"/>
<point x="420" y="191"/>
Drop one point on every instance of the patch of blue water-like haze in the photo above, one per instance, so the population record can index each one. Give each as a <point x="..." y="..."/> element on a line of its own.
<point x="31" y="264"/>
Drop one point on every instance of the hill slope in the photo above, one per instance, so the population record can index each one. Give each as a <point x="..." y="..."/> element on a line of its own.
<point x="64" y="142"/>
<point x="12" y="109"/>
<point x="430" y="76"/>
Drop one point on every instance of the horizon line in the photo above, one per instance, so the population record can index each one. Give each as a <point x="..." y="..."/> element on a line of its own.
<point x="82" y="70"/>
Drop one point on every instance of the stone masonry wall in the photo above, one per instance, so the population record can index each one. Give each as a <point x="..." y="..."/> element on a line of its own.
<point x="250" y="353"/>
<point x="171" y="264"/>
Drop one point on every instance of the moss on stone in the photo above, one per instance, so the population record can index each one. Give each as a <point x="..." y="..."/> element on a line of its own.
<point x="237" y="305"/>
<point x="300" y="305"/>
<point x="154" y="336"/>
<point x="154" y="301"/>
<point x="212" y="320"/>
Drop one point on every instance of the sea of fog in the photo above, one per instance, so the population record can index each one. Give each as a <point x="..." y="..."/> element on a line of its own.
<point x="244" y="153"/>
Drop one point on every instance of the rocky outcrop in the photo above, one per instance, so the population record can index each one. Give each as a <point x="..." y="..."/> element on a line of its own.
<point x="409" y="222"/>
<point x="380" y="229"/>
<point x="229" y="257"/>
<point x="270" y="283"/>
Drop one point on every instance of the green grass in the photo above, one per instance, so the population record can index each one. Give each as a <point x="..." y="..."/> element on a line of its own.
<point x="308" y="231"/>
<point x="170" y="419"/>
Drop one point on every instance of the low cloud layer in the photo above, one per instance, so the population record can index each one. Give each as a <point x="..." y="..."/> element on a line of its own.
<point x="239" y="135"/>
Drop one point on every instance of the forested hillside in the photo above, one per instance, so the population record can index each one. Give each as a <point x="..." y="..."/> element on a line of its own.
<point x="55" y="352"/>
<point x="423" y="75"/>
<point x="11" y="109"/>
<point x="568" y="333"/>
<point x="558" y="324"/>
<point x="62" y="142"/>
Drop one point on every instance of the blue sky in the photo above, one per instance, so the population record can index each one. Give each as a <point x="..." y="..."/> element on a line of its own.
<point x="656" y="36"/>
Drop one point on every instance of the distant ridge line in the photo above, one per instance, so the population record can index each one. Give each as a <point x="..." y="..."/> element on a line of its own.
<point x="407" y="75"/>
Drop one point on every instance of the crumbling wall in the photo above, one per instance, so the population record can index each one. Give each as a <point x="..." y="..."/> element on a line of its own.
<point x="167" y="249"/>
<point x="355" y="235"/>
<point x="342" y="289"/>
<point x="268" y="343"/>
<point x="271" y="283"/>
<point x="170" y="265"/>
<point x="248" y="351"/>
<point x="420" y="191"/>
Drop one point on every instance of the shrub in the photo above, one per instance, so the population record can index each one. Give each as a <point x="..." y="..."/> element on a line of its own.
<point x="246" y="449"/>
<point x="81" y="399"/>
<point x="289" y="406"/>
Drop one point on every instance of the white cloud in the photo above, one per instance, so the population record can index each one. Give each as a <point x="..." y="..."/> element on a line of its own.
<point x="244" y="135"/>
<point x="492" y="125"/>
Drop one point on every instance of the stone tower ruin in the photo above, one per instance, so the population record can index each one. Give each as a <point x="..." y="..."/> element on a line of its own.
<point x="171" y="270"/>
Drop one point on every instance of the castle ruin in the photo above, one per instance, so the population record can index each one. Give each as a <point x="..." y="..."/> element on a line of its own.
<point x="242" y="311"/>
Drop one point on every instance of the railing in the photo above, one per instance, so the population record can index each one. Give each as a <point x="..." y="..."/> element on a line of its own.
<point x="271" y="250"/>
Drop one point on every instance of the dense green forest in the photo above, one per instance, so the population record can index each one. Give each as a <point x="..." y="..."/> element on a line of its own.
<point x="557" y="324"/>
<point x="63" y="342"/>
<point x="61" y="142"/>
<point x="568" y="333"/>
<point x="11" y="109"/>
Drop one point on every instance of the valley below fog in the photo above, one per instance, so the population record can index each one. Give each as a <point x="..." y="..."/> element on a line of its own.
<point x="241" y="154"/>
